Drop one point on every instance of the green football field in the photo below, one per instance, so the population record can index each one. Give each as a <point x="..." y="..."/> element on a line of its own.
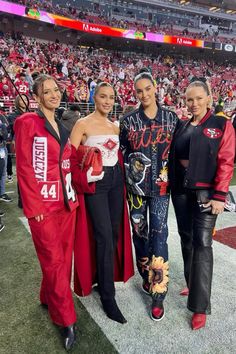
<point x="25" y="326"/>
<point x="233" y="182"/>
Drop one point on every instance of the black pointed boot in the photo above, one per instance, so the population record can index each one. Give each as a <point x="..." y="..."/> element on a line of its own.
<point x="112" y="310"/>
<point x="69" y="336"/>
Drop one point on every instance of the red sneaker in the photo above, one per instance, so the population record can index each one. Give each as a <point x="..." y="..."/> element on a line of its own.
<point x="157" y="313"/>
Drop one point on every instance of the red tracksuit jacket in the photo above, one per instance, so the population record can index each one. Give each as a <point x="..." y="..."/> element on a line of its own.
<point x="43" y="166"/>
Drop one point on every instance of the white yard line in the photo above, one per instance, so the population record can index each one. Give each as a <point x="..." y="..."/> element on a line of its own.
<point x="25" y="223"/>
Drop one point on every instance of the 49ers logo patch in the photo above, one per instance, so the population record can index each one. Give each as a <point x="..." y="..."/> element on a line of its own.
<point x="212" y="133"/>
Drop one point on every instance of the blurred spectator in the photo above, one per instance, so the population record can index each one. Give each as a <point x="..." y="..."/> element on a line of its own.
<point x="128" y="109"/>
<point x="3" y="155"/>
<point x="233" y="119"/>
<point x="21" y="106"/>
<point x="2" y="163"/>
<point x="60" y="112"/>
<point x="168" y="100"/>
<point x="5" y="87"/>
<point x="70" y="117"/>
<point x="22" y="85"/>
<point x="220" y="112"/>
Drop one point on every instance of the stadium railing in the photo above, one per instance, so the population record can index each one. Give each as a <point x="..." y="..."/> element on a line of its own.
<point x="7" y="107"/>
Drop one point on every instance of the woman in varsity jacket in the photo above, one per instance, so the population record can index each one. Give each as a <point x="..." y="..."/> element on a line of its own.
<point x="201" y="167"/>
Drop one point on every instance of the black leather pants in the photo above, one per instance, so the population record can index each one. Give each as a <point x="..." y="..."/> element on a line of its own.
<point x="195" y="230"/>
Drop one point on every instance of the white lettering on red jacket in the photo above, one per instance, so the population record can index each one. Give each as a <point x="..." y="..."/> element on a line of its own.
<point x="40" y="158"/>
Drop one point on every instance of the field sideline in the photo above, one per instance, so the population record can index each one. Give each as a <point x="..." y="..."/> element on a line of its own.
<point x="25" y="327"/>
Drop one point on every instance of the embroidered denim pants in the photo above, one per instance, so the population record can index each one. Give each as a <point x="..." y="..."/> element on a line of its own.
<point x="150" y="231"/>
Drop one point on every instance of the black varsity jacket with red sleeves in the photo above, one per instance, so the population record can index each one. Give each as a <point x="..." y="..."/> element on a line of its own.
<point x="211" y="155"/>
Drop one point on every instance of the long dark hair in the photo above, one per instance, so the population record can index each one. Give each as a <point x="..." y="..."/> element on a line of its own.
<point x="144" y="75"/>
<point x="39" y="81"/>
<point x="21" y="99"/>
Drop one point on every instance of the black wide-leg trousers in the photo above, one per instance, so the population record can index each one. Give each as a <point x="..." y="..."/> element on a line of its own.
<point x="105" y="209"/>
<point x="195" y="230"/>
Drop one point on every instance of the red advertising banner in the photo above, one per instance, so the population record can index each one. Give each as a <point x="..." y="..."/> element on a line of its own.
<point x="189" y="42"/>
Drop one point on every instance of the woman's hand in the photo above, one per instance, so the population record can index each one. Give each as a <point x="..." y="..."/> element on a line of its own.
<point x="216" y="206"/>
<point x="92" y="178"/>
<point x="39" y="218"/>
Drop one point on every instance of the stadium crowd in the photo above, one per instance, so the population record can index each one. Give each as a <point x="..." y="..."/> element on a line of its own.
<point x="78" y="70"/>
<point x="178" y="26"/>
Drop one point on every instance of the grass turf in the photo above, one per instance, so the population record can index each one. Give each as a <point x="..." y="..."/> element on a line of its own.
<point x="233" y="182"/>
<point x="25" y="325"/>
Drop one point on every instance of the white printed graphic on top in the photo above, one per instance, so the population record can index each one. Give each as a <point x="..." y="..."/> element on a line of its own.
<point x="108" y="145"/>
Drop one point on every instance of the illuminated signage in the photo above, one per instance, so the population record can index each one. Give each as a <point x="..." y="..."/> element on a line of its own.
<point x="57" y="20"/>
<point x="208" y="45"/>
<point x="88" y="28"/>
<point x="228" y="47"/>
<point x="189" y="42"/>
<point x="217" y="46"/>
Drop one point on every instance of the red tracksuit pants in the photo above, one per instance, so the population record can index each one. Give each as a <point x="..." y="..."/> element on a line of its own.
<point x="54" y="240"/>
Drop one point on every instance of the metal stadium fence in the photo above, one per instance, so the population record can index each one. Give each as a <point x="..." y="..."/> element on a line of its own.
<point x="7" y="107"/>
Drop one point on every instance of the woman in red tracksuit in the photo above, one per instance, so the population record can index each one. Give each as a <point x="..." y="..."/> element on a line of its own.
<point x="49" y="201"/>
<point x="201" y="167"/>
